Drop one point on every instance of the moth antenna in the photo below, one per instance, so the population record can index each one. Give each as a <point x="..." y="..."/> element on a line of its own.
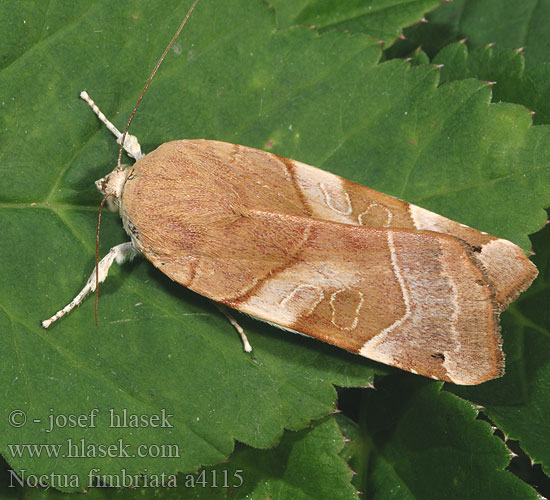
<point x="149" y="81"/>
<point x="97" y="254"/>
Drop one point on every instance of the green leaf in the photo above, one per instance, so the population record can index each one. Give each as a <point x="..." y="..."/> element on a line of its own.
<point x="382" y="19"/>
<point x="420" y="442"/>
<point x="504" y="67"/>
<point x="306" y="465"/>
<point x="505" y="23"/>
<point x="324" y="100"/>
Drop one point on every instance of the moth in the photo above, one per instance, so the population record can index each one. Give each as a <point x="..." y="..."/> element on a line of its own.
<point x="308" y="251"/>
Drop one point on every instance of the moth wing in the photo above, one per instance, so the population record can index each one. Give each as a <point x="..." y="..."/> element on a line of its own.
<point x="410" y="299"/>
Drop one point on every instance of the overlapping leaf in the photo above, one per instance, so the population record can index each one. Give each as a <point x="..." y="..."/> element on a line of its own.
<point x="507" y="24"/>
<point x="506" y="69"/>
<point x="420" y="442"/>
<point x="382" y="19"/>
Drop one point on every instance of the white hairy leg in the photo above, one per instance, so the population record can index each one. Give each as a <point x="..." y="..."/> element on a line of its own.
<point x="120" y="254"/>
<point x="246" y="345"/>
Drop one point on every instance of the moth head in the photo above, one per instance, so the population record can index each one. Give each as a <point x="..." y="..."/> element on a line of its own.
<point x="111" y="185"/>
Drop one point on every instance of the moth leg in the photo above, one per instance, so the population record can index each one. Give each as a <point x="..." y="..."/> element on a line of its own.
<point x="120" y="253"/>
<point x="131" y="144"/>
<point x="246" y="345"/>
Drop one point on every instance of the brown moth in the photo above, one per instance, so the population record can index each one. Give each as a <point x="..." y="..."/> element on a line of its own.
<point x="311" y="252"/>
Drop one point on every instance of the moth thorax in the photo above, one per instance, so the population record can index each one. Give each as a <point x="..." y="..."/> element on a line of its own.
<point x="112" y="185"/>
